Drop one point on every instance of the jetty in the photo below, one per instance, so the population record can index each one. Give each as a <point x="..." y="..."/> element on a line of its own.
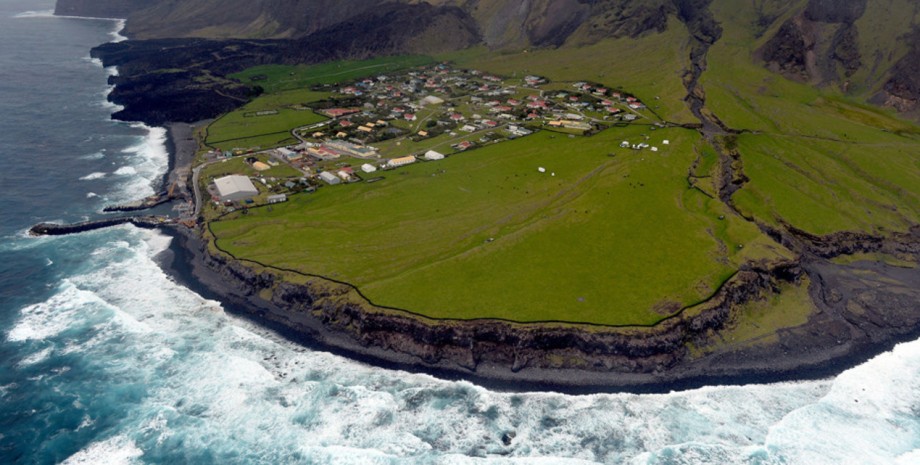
<point x="55" y="229"/>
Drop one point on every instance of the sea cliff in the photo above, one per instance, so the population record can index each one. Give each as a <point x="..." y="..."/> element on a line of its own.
<point x="856" y="319"/>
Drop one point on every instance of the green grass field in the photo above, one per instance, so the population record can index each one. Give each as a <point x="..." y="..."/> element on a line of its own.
<point x="610" y="240"/>
<point x="286" y="87"/>
<point x="278" y="78"/>
<point x="243" y="129"/>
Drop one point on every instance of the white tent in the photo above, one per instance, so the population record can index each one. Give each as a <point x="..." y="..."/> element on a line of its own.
<point x="432" y="155"/>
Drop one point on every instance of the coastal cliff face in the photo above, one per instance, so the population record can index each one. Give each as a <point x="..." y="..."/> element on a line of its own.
<point x="856" y="316"/>
<point x="490" y="348"/>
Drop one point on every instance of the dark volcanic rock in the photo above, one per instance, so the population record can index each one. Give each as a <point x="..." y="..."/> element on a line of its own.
<point x="835" y="11"/>
<point x="845" y="49"/>
<point x="820" y="45"/>
<point x="183" y="80"/>
<point x="902" y="90"/>
<point x="786" y="50"/>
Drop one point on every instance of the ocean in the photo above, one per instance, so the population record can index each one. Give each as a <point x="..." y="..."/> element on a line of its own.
<point x="104" y="359"/>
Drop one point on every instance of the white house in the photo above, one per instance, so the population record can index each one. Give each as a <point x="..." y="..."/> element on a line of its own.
<point x="368" y="168"/>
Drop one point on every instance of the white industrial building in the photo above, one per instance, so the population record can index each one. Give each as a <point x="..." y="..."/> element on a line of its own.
<point x="432" y="155"/>
<point x="329" y="178"/>
<point x="402" y="161"/>
<point x="235" y="187"/>
<point x="368" y="168"/>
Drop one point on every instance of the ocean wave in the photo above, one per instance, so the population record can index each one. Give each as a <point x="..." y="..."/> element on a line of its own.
<point x="145" y="163"/>
<point x="35" y="14"/>
<point x="118" y="450"/>
<point x="116" y="32"/>
<point x="47" y="319"/>
<point x="125" y="171"/>
<point x="94" y="156"/>
<point x="36" y="358"/>
<point x="218" y="386"/>
<point x="93" y="176"/>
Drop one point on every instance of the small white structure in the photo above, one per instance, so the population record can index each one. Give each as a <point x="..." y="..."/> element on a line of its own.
<point x="368" y="168"/>
<point x="402" y="161"/>
<point x="432" y="155"/>
<point x="432" y="100"/>
<point x="666" y="142"/>
<point x="330" y="178"/>
<point x="285" y="152"/>
<point x="624" y="144"/>
<point x="277" y="198"/>
<point x="235" y="187"/>
<point x="541" y="169"/>
<point x="654" y="149"/>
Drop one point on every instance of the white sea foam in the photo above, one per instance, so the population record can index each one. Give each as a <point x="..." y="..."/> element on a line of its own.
<point x="91" y="195"/>
<point x="92" y="176"/>
<point x="116" y="33"/>
<point x="54" y="316"/>
<point x="125" y="171"/>
<point x="37" y="357"/>
<point x="909" y="458"/>
<point x="94" y="156"/>
<point x="222" y="387"/>
<point x="115" y="451"/>
<point x="144" y="163"/>
<point x="35" y="14"/>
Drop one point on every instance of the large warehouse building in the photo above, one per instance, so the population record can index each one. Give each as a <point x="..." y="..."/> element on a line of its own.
<point x="235" y="187"/>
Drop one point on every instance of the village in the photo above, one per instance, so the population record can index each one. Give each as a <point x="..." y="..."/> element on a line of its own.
<point x="425" y="114"/>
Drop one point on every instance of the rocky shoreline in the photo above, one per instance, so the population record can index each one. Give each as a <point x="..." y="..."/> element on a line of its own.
<point x="570" y="358"/>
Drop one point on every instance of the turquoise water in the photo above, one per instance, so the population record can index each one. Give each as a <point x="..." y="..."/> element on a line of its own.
<point x="105" y="359"/>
